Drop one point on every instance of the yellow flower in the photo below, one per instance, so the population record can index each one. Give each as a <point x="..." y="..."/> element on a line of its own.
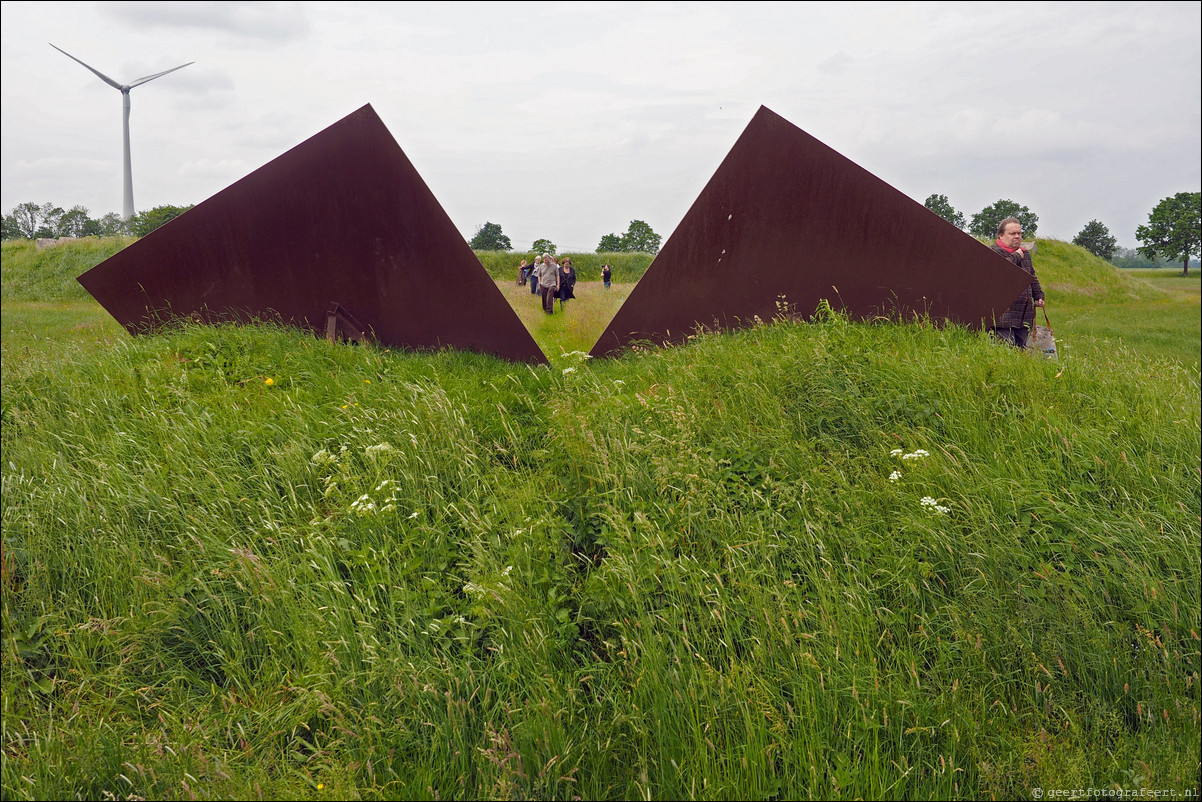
<point x="269" y="381"/>
<point x="320" y="786"/>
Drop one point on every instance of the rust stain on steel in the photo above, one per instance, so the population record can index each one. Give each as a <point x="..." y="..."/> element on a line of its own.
<point x="785" y="215"/>
<point x="341" y="228"/>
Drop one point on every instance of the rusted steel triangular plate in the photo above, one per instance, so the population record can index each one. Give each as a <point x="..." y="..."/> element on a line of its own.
<point x="341" y="222"/>
<point x="787" y="219"/>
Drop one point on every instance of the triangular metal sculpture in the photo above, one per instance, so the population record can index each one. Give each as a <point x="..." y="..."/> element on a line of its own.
<point x="786" y="220"/>
<point x="339" y="235"/>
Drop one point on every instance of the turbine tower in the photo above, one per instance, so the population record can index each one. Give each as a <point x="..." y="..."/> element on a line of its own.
<point x="127" y="208"/>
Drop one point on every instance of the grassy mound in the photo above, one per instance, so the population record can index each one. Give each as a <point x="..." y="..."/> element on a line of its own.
<point x="1075" y="277"/>
<point x="49" y="274"/>
<point x="805" y="560"/>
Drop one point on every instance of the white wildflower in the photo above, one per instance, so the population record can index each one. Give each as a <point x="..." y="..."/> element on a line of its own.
<point x="917" y="454"/>
<point x="566" y="371"/>
<point x="893" y="477"/>
<point x="897" y="452"/>
<point x="379" y="449"/>
<point x="414" y="515"/>
<point x="934" y="506"/>
<point x="363" y="505"/>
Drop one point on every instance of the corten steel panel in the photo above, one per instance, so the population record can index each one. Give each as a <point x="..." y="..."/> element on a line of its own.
<point x="341" y="219"/>
<point x="785" y="215"/>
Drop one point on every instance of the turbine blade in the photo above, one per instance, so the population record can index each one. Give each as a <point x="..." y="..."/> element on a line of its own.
<point x="141" y="81"/>
<point x="98" y="73"/>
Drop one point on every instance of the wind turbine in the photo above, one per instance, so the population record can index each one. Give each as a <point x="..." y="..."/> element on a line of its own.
<point x="127" y="208"/>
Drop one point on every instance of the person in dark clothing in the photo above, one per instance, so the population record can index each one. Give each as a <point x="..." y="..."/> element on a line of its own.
<point x="1018" y="321"/>
<point x="533" y="274"/>
<point x="567" y="281"/>
<point x="606" y="275"/>
<point x="548" y="282"/>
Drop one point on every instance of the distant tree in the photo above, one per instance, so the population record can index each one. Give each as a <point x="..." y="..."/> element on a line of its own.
<point x="640" y="238"/>
<point x="142" y="223"/>
<point x="489" y="238"/>
<point x="1174" y="229"/>
<point x="610" y="243"/>
<point x="51" y="219"/>
<point x="940" y="205"/>
<point x="111" y="225"/>
<point x="75" y="222"/>
<point x="1131" y="259"/>
<point x="1096" y="239"/>
<point x="984" y="223"/>
<point x="10" y="227"/>
<point x="27" y="219"/>
<point x="543" y="246"/>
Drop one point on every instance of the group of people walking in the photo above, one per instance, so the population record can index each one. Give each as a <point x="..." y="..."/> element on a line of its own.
<point x="549" y="278"/>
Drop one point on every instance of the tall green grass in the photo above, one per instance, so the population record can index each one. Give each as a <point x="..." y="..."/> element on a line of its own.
<point x="241" y="562"/>
<point x="573" y="327"/>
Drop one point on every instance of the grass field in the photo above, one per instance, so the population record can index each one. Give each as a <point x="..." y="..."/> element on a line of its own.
<point x="812" y="559"/>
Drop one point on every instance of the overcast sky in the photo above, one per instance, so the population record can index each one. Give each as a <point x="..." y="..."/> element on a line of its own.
<point x="568" y="120"/>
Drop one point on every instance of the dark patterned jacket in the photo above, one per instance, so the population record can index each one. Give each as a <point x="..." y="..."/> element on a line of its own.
<point x="1021" y="313"/>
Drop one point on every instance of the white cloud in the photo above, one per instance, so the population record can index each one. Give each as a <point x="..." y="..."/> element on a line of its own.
<point x="569" y="120"/>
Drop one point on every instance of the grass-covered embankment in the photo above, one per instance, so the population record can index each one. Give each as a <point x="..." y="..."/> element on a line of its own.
<point x="687" y="573"/>
<point x="49" y="274"/>
<point x="1095" y="308"/>
<point x="682" y="574"/>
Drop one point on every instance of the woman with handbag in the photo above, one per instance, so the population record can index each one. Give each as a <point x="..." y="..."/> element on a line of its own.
<point x="1016" y="322"/>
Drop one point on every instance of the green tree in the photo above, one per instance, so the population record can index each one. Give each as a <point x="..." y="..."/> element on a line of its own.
<point x="51" y="215"/>
<point x="610" y="243"/>
<point x="543" y="246"/>
<point x="142" y="223"/>
<point x="111" y="225"/>
<point x="27" y="219"/>
<point x="490" y="238"/>
<point x="1096" y="239"/>
<point x="984" y="223"/>
<point x="10" y="227"/>
<point x="75" y="222"/>
<point x="940" y="205"/>
<point x="1174" y="229"/>
<point x="640" y="238"/>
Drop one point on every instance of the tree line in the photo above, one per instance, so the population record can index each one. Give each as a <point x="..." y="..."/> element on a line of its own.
<point x="45" y="221"/>
<point x="1173" y="232"/>
<point x="639" y="238"/>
